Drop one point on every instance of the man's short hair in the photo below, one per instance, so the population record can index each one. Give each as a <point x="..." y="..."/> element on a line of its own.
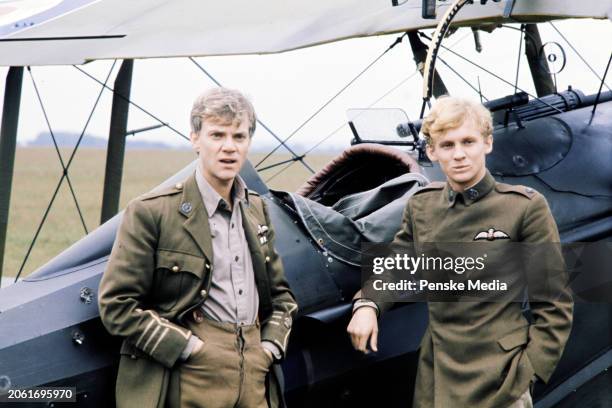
<point x="451" y="112"/>
<point x="222" y="104"/>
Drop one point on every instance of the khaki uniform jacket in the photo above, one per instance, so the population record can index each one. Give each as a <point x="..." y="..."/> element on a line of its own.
<point x="160" y="269"/>
<point x="485" y="354"/>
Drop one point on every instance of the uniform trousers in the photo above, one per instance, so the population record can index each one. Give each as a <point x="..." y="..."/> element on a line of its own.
<point x="228" y="371"/>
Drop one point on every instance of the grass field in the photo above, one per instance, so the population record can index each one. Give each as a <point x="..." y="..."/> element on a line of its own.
<point x="38" y="171"/>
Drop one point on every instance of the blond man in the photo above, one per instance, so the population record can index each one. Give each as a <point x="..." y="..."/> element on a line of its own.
<point x="194" y="284"/>
<point x="476" y="354"/>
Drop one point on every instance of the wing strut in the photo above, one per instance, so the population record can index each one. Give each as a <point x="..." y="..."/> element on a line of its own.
<point x="115" y="152"/>
<point x="8" y="144"/>
<point x="537" y="62"/>
<point x="419" y="51"/>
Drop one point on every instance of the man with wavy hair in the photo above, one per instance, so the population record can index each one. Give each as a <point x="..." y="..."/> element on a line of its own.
<point x="194" y="284"/>
<point x="477" y="354"/>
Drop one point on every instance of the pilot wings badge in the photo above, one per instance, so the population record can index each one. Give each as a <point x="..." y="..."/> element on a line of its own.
<point x="490" y="235"/>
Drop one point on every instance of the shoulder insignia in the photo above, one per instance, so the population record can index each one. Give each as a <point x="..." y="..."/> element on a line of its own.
<point x="166" y="191"/>
<point x="433" y="186"/>
<point x="518" y="189"/>
<point x="255" y="200"/>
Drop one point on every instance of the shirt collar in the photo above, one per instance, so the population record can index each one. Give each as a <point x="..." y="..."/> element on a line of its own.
<point x="213" y="200"/>
<point x="472" y="194"/>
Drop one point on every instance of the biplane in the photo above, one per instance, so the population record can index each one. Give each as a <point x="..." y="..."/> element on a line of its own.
<point x="558" y="142"/>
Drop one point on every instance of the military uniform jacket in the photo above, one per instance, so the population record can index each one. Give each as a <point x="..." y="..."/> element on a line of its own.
<point x="160" y="269"/>
<point x="485" y="354"/>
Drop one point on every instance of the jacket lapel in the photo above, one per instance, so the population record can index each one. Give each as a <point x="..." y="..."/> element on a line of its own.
<point x="196" y="224"/>
<point x="250" y="222"/>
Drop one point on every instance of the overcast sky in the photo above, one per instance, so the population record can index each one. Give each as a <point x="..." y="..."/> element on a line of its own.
<point x="287" y="88"/>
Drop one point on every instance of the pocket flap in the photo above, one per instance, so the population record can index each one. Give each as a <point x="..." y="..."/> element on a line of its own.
<point x="514" y="339"/>
<point x="180" y="262"/>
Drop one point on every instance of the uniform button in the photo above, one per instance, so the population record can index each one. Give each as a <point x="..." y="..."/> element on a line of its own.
<point x="529" y="190"/>
<point x="175" y="268"/>
<point x="240" y="292"/>
<point x="472" y="193"/>
<point x="236" y="258"/>
<point x="287" y="322"/>
<point x="179" y="186"/>
<point x="203" y="293"/>
<point x="267" y="259"/>
<point x="207" y="266"/>
<point x="232" y="225"/>
<point x="133" y="356"/>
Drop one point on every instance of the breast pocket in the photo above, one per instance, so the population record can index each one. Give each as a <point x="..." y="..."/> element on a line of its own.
<point x="175" y="274"/>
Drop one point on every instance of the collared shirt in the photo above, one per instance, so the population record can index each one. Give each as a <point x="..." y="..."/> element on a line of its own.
<point x="233" y="296"/>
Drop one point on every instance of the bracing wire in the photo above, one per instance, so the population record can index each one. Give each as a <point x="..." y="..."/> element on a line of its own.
<point x="341" y="126"/>
<point x="335" y="131"/>
<point x="495" y="75"/>
<point x="454" y="71"/>
<point x="579" y="56"/>
<point x="600" y="88"/>
<point x="279" y="172"/>
<point x="59" y="184"/>
<point x="292" y="160"/>
<point x="397" y="41"/>
<point x="134" y="104"/>
<point x="59" y="154"/>
<point x="295" y="156"/>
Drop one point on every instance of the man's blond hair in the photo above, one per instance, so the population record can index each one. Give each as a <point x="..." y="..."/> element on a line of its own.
<point x="451" y="112"/>
<point x="222" y="104"/>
